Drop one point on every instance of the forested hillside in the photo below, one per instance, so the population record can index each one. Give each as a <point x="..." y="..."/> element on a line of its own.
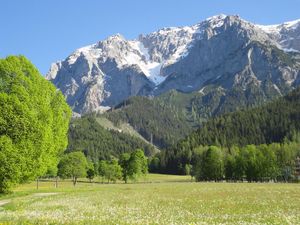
<point x="98" y="143"/>
<point x="159" y="123"/>
<point x="174" y="115"/>
<point x="278" y="121"/>
<point x="266" y="124"/>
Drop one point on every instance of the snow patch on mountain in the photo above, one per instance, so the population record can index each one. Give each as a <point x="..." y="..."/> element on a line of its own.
<point x="289" y="50"/>
<point x="216" y="21"/>
<point x="156" y="51"/>
<point x="109" y="71"/>
<point x="149" y="67"/>
<point x="277" y="28"/>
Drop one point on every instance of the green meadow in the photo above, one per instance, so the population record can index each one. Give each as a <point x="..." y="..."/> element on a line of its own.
<point x="156" y="199"/>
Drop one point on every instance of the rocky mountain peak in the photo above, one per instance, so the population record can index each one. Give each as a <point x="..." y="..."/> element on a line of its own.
<point x="223" y="50"/>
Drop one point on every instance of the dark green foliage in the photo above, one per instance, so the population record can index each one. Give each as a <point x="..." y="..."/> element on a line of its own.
<point x="91" y="172"/>
<point x="173" y="115"/>
<point x="274" y="122"/>
<point x="110" y="170"/>
<point x="251" y="163"/>
<point x="133" y="165"/>
<point x="125" y="163"/>
<point x="73" y="165"/>
<point x="102" y="169"/>
<point x="266" y="124"/>
<point x="98" y="143"/>
<point x="138" y="164"/>
<point x="34" y="120"/>
<point x="210" y="165"/>
<point x="156" y="122"/>
<point x="154" y="164"/>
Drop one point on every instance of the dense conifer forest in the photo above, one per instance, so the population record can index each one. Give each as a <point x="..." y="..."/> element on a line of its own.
<point x="233" y="133"/>
<point x="98" y="143"/>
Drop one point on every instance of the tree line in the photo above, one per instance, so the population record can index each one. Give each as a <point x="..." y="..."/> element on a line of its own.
<point x="130" y="166"/>
<point x="275" y="122"/>
<point x="276" y="162"/>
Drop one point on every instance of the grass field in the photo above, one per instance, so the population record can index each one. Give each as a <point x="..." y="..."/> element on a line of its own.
<point x="166" y="200"/>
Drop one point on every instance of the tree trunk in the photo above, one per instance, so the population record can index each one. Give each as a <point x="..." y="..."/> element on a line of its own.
<point x="56" y="182"/>
<point x="37" y="183"/>
<point x="74" y="181"/>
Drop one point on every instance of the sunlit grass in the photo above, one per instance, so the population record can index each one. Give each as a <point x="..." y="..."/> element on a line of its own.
<point x="170" y="202"/>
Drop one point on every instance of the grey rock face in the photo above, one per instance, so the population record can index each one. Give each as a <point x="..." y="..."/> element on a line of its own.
<point x="286" y="34"/>
<point x="238" y="55"/>
<point x="223" y="51"/>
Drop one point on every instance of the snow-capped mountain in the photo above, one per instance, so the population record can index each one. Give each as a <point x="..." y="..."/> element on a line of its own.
<point x="225" y="51"/>
<point x="286" y="34"/>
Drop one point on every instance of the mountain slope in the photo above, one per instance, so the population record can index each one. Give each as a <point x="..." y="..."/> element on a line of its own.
<point x="174" y="115"/>
<point x="87" y="135"/>
<point x="222" y="52"/>
<point x="287" y="34"/>
<point x="158" y="123"/>
<point x="277" y="121"/>
<point x="266" y="124"/>
<point x="123" y="127"/>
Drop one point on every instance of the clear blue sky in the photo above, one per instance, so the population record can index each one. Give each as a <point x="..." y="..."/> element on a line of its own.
<point x="49" y="30"/>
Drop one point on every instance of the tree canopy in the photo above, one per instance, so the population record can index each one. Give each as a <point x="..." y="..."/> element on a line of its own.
<point x="98" y="143"/>
<point x="34" y="120"/>
<point x="275" y="122"/>
<point x="133" y="165"/>
<point x="157" y="122"/>
<point x="110" y="170"/>
<point x="251" y="163"/>
<point x="269" y="123"/>
<point x="73" y="165"/>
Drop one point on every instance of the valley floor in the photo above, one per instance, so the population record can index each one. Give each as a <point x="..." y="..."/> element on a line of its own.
<point x="161" y="199"/>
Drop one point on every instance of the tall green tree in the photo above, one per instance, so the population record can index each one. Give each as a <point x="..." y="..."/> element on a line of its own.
<point x="91" y="172"/>
<point x="269" y="167"/>
<point x="127" y="170"/>
<point x="73" y="165"/>
<point x="209" y="164"/>
<point x="213" y="164"/>
<point x="102" y="167"/>
<point x="34" y="120"/>
<point x="114" y="171"/>
<point x="133" y="165"/>
<point x="138" y="163"/>
<point x="110" y="170"/>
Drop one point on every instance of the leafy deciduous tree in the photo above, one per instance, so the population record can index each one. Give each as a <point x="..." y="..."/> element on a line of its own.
<point x="73" y="165"/>
<point x="34" y="120"/>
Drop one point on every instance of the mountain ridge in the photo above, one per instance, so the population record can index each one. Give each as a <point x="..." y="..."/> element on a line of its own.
<point x="223" y="50"/>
